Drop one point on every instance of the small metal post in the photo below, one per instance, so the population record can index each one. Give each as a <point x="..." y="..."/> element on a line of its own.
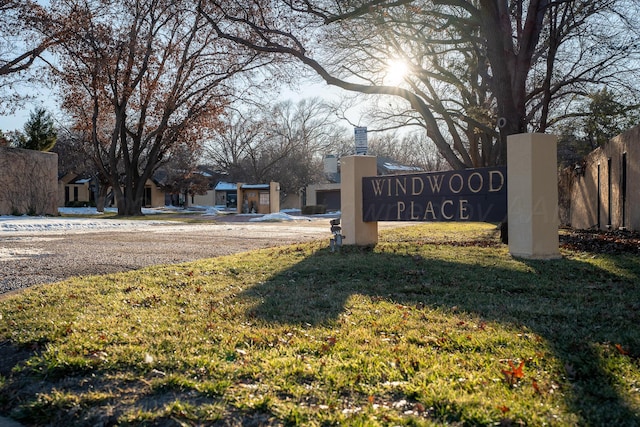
<point x="336" y="242"/>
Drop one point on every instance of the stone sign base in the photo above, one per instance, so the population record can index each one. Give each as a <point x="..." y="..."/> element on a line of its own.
<point x="532" y="196"/>
<point x="354" y="229"/>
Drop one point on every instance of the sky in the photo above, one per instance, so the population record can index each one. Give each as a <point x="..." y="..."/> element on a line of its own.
<point x="48" y="99"/>
<point x="42" y="97"/>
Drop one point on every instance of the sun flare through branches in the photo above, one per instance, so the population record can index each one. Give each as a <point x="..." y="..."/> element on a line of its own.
<point x="396" y="71"/>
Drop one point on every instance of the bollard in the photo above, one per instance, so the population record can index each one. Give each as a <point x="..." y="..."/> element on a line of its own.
<point x="336" y="242"/>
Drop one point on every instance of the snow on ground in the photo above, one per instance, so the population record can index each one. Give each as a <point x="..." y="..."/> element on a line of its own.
<point x="89" y="220"/>
<point x="280" y="216"/>
<point x="58" y="224"/>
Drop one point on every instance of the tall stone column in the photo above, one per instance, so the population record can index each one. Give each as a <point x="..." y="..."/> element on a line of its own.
<point x="355" y="230"/>
<point x="532" y="196"/>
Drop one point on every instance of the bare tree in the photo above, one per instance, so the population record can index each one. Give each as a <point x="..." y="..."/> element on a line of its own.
<point x="408" y="149"/>
<point x="234" y="142"/>
<point x="143" y="77"/>
<point x="285" y="143"/>
<point x="26" y="32"/>
<point x="477" y="70"/>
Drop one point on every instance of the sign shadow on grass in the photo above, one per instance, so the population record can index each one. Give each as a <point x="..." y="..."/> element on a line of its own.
<point x="572" y="305"/>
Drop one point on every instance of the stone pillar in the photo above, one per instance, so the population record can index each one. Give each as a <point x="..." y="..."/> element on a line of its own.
<point x="274" y="197"/>
<point x="239" y="197"/>
<point x="355" y="230"/>
<point x="532" y="196"/>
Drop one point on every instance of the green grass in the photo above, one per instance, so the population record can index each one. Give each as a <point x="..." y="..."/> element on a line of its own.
<point x="435" y="325"/>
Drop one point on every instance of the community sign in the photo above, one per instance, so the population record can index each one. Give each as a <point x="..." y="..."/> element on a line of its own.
<point x="461" y="195"/>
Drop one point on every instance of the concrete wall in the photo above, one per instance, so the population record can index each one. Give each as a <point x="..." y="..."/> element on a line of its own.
<point x="597" y="196"/>
<point x="291" y="201"/>
<point x="28" y="182"/>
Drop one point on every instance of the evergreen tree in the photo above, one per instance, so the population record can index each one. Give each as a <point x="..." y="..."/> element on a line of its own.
<point x="607" y="118"/>
<point x="39" y="132"/>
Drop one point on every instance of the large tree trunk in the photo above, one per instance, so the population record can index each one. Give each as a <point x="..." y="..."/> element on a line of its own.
<point x="130" y="206"/>
<point x="101" y="197"/>
<point x="132" y="198"/>
<point x="129" y="203"/>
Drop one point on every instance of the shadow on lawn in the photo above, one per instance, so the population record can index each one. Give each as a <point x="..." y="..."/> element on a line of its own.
<point x="571" y="304"/>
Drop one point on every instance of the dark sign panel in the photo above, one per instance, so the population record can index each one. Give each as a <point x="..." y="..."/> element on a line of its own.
<point x="465" y="195"/>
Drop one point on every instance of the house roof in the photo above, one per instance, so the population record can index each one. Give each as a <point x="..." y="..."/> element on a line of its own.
<point x="72" y="179"/>
<point x="256" y="186"/>
<point x="386" y="165"/>
<point x="226" y="186"/>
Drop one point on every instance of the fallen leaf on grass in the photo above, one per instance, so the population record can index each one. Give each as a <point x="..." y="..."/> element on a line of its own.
<point x="621" y="350"/>
<point x="331" y="341"/>
<point x="534" y="383"/>
<point x="513" y="374"/>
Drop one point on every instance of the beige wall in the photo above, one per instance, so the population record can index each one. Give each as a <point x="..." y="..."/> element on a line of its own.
<point x="83" y="192"/>
<point x="28" y="182"/>
<point x="291" y="201"/>
<point x="207" y="199"/>
<point x="157" y="195"/>
<point x="597" y="197"/>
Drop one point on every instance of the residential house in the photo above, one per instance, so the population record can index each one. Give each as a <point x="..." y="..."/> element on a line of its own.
<point x="327" y="195"/>
<point x="225" y="195"/>
<point x="75" y="190"/>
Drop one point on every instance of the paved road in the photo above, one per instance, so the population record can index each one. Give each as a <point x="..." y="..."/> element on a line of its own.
<point x="29" y="258"/>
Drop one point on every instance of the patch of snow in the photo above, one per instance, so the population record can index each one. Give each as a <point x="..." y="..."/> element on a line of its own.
<point x="87" y="220"/>
<point x="208" y="210"/>
<point x="13" y="254"/>
<point x="27" y="224"/>
<point x="280" y="216"/>
<point x="37" y="224"/>
<point x="93" y="211"/>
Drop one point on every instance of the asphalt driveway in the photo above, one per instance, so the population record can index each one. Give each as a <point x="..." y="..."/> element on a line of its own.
<point x="29" y="258"/>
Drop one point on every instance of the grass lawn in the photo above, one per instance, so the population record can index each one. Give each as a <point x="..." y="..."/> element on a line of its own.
<point x="436" y="325"/>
